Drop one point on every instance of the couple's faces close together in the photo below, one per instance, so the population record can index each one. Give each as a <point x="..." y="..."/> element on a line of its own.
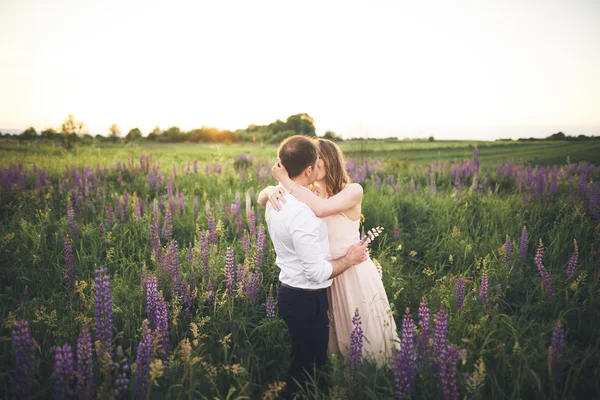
<point x="318" y="173"/>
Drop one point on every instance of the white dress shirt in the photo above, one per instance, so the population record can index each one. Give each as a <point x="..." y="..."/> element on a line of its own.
<point x="301" y="244"/>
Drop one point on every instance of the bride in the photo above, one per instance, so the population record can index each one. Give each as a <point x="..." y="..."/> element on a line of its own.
<point x="338" y="202"/>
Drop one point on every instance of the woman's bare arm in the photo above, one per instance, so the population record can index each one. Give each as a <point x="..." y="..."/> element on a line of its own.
<point x="263" y="196"/>
<point x="349" y="197"/>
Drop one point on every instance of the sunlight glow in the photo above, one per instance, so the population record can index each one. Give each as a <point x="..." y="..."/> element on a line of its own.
<point x="467" y="69"/>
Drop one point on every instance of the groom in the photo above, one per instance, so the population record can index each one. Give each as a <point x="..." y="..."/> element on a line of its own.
<point x="302" y="248"/>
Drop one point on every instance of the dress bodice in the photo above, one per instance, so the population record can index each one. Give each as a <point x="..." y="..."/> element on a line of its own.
<point x="343" y="233"/>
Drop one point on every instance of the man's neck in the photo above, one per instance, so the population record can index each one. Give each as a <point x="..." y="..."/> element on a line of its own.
<point x="301" y="181"/>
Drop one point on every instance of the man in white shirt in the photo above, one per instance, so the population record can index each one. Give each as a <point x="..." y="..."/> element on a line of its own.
<point x="302" y="248"/>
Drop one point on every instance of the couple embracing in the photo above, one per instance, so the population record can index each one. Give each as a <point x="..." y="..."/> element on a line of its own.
<point x="313" y="218"/>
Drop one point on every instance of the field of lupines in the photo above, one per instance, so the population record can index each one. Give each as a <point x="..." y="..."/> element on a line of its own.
<point x="153" y="277"/>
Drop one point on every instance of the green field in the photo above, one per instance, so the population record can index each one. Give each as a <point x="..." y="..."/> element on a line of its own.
<point x="222" y="345"/>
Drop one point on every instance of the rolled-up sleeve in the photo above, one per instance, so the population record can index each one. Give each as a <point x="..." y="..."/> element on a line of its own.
<point x="305" y="230"/>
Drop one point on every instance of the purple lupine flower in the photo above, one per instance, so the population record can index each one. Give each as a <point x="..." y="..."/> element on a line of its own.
<point x="104" y="315"/>
<point x="155" y="211"/>
<point x="238" y="202"/>
<point x="195" y="208"/>
<point x="139" y="208"/>
<point x="553" y="185"/>
<point x="406" y="356"/>
<point x="151" y="290"/>
<point x="573" y="260"/>
<point x="460" y="292"/>
<point x="556" y="351"/>
<point x="71" y="218"/>
<point x="597" y="275"/>
<point x="85" y="367"/>
<point x="252" y="224"/>
<point x="24" y="358"/>
<point x="212" y="229"/>
<point x="230" y="271"/>
<point x="457" y="188"/>
<point x="498" y="292"/>
<point x="119" y="210"/>
<point x="240" y="278"/>
<point x="581" y="187"/>
<point x="121" y="385"/>
<point x="125" y="204"/>
<point x="167" y="230"/>
<point x="162" y="329"/>
<point x="260" y="246"/>
<point x="252" y="286"/>
<point x="424" y="327"/>
<point x="270" y="305"/>
<point x="210" y="288"/>
<point x="396" y="232"/>
<point x="63" y="372"/>
<point x="593" y="193"/>
<point x="447" y="372"/>
<point x="69" y="265"/>
<point x="476" y="159"/>
<point x="539" y="255"/>
<point x="356" y="343"/>
<point x="110" y="218"/>
<point x="204" y="251"/>
<point x="181" y="203"/>
<point x="173" y="267"/>
<point x="155" y="240"/>
<point x="189" y="257"/>
<point x="142" y="362"/>
<point x="440" y="332"/>
<point x="240" y="224"/>
<point x="246" y="244"/>
<point x="507" y="251"/>
<point x="483" y="290"/>
<point x="523" y="245"/>
<point x="377" y="181"/>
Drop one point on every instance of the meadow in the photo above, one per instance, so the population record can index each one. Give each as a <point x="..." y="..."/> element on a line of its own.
<point x="147" y="272"/>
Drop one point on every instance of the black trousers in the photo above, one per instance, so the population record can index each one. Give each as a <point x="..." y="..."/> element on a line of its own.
<point x="305" y="314"/>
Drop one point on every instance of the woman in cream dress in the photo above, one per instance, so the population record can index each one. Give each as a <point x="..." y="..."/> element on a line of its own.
<point x="338" y="202"/>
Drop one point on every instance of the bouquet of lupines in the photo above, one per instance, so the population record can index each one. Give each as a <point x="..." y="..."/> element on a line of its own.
<point x="370" y="236"/>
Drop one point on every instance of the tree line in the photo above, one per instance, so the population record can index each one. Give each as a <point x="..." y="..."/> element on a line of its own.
<point x="73" y="131"/>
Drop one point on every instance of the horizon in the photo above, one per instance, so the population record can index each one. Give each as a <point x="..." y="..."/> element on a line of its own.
<point x="387" y="69"/>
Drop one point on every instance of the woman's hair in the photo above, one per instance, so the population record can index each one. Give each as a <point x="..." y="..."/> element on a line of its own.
<point x="336" y="176"/>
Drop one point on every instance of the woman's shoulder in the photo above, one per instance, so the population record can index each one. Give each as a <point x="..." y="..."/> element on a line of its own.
<point x="354" y="187"/>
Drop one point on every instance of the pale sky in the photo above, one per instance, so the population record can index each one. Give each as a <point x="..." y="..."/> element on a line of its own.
<point x="451" y="69"/>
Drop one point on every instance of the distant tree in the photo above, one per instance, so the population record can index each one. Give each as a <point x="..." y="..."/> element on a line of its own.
<point x="431" y="139"/>
<point x="251" y="128"/>
<point x="87" y="138"/>
<point x="29" y="133"/>
<point x="49" y="133"/>
<point x="332" y="136"/>
<point x="303" y="124"/>
<point x="133" y="135"/>
<point x="173" y="134"/>
<point x="70" y="130"/>
<point x="153" y="136"/>
<point x="557" y="136"/>
<point x="114" y="132"/>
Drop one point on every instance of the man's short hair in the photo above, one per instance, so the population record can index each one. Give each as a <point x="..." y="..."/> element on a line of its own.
<point x="297" y="153"/>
